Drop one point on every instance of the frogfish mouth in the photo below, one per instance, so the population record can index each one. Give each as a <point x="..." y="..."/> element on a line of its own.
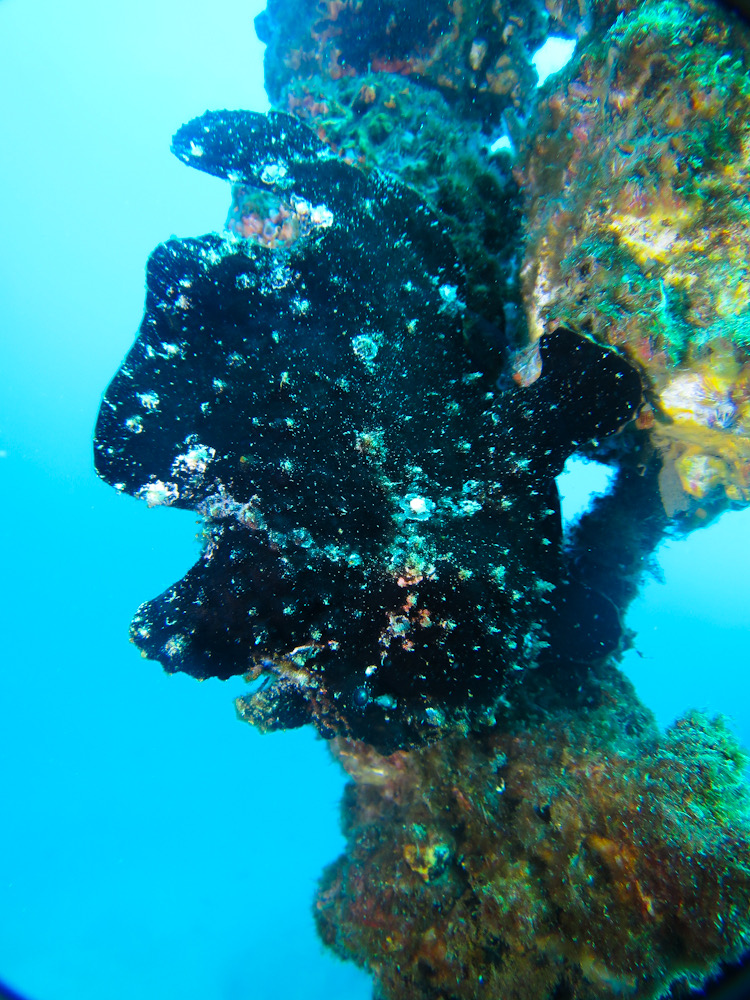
<point x="382" y="537"/>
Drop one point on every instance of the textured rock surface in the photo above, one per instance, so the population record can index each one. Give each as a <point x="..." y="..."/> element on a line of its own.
<point x="574" y="852"/>
<point x="635" y="176"/>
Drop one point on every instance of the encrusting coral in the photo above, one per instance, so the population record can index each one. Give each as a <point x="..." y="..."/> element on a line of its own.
<point x="575" y="852"/>
<point x="635" y="172"/>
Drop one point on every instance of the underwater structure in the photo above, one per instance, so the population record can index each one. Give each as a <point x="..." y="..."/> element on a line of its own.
<point x="572" y="852"/>
<point x="437" y="281"/>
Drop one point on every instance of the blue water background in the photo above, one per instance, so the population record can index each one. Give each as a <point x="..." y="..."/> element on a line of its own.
<point x="150" y="845"/>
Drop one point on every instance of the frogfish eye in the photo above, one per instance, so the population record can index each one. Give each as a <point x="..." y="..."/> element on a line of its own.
<point x="360" y="697"/>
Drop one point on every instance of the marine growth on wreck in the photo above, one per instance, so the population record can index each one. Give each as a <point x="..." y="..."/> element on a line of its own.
<point x="366" y="385"/>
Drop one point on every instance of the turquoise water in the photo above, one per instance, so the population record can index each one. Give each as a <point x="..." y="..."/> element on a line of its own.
<point x="150" y="846"/>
